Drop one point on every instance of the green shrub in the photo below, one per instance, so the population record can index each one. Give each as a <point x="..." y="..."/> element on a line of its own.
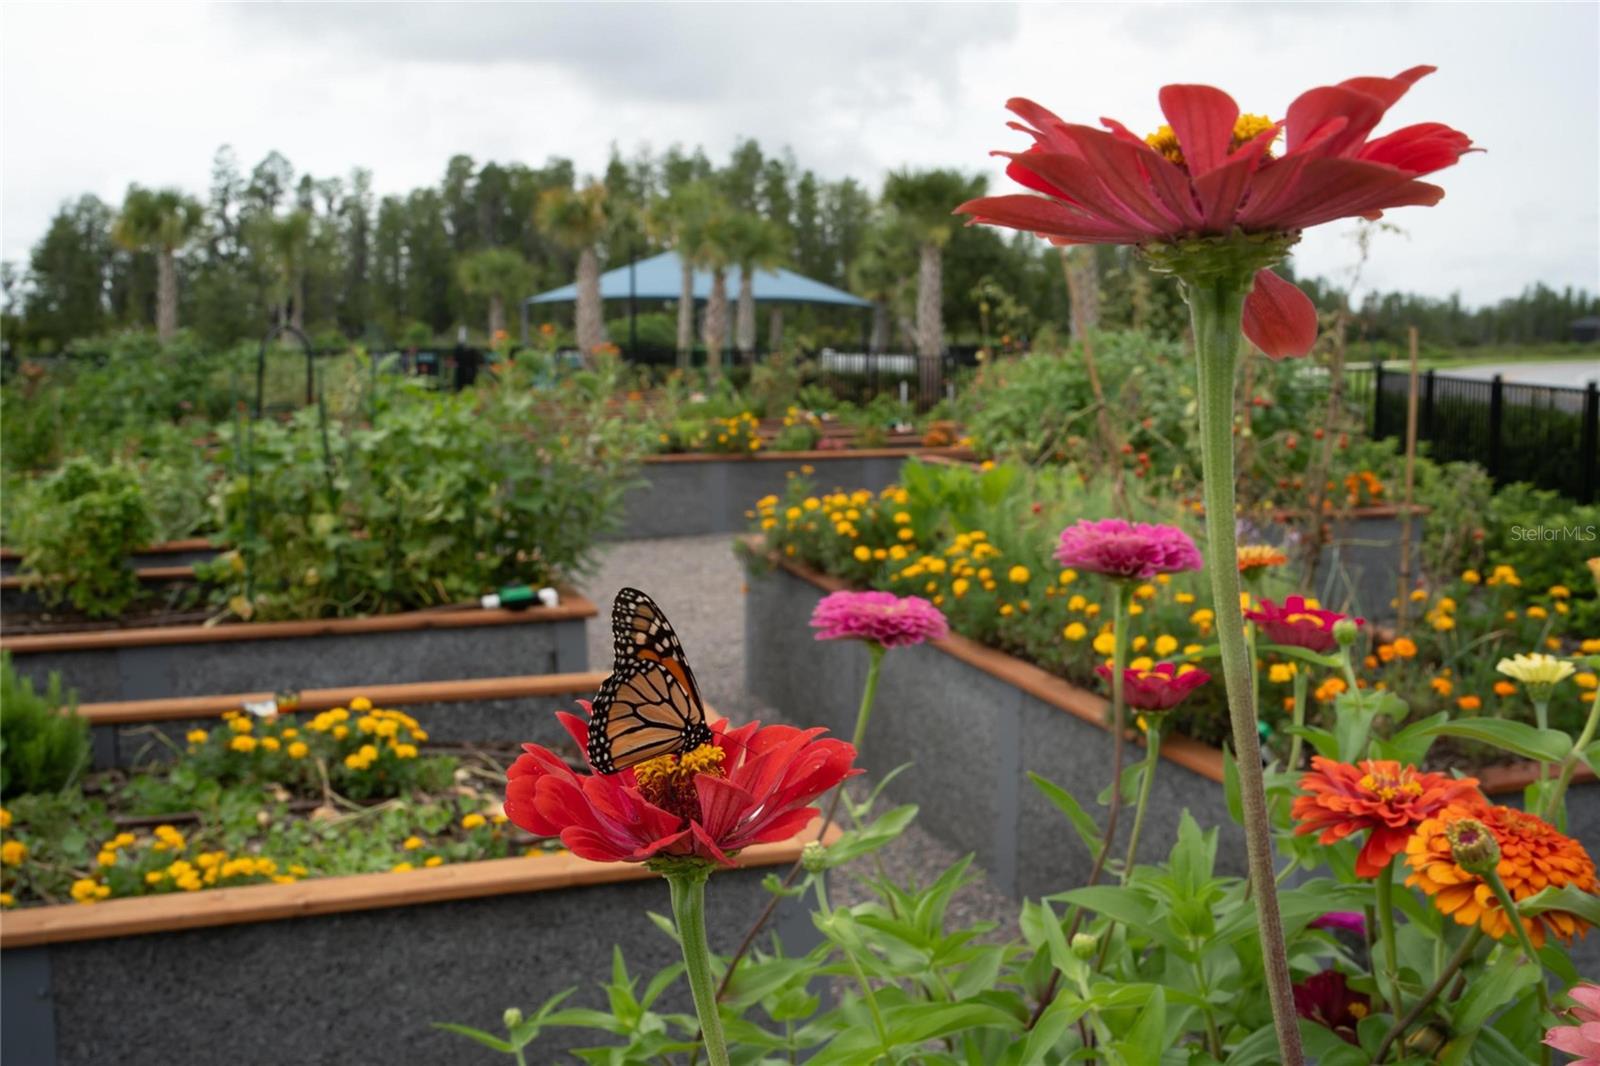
<point x="41" y="749"/>
<point x="82" y="524"/>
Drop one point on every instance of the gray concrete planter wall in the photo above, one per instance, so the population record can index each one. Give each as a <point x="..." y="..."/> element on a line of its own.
<point x="1359" y="566"/>
<point x="194" y="660"/>
<point x="360" y="985"/>
<point x="690" y="495"/>
<point x="974" y="722"/>
<point x="172" y="553"/>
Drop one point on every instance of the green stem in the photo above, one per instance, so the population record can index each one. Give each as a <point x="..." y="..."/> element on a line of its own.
<point x="1216" y="306"/>
<point x="826" y="910"/>
<point x="1507" y="904"/>
<point x="1152" y="759"/>
<point x="1302" y="681"/>
<point x="1458" y="960"/>
<point x="869" y="695"/>
<point x="1391" y="964"/>
<point x="688" y="887"/>
<point x="1569" y="765"/>
<point x="1541" y="713"/>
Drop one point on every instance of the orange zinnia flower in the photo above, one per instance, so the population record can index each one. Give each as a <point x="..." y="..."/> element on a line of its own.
<point x="1376" y="794"/>
<point x="1533" y="856"/>
<point x="1253" y="557"/>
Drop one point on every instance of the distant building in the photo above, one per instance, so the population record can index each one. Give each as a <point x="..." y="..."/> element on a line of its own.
<point x="1586" y="330"/>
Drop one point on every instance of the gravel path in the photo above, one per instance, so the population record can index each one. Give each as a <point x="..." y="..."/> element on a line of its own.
<point x="700" y="584"/>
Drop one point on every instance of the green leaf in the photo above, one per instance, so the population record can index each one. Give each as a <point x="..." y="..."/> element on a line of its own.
<point x="1063" y="1011"/>
<point x="1410" y="745"/>
<point x="1146" y="1040"/>
<point x="1332" y="662"/>
<point x="1519" y="738"/>
<point x="1565" y="898"/>
<point x="1086" y="828"/>
<point x="486" y="1039"/>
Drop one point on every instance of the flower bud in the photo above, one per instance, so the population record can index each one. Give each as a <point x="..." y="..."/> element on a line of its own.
<point x="512" y="1017"/>
<point x="1473" y="847"/>
<point x="1084" y="944"/>
<point x="1427" y="1041"/>
<point x="814" y="857"/>
<point x="1345" y="632"/>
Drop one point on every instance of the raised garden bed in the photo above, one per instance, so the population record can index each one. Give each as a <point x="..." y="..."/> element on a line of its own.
<point x="168" y="553"/>
<point x="195" y="659"/>
<point x="692" y="494"/>
<point x="974" y="722"/>
<point x="347" y="969"/>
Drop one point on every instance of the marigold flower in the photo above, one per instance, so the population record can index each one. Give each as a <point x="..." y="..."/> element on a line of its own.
<point x="1211" y="171"/>
<point x="1504" y="688"/>
<point x="1327" y="999"/>
<point x="1376" y="794"/>
<point x="1298" y="624"/>
<point x="1075" y="631"/>
<point x="878" y="617"/>
<point x="1582" y="1037"/>
<point x="748" y="785"/>
<point x="1469" y="703"/>
<point x="1405" y="647"/>
<point x="13" y="852"/>
<point x="1127" y="550"/>
<point x="1533" y="856"/>
<point x="1158" y="687"/>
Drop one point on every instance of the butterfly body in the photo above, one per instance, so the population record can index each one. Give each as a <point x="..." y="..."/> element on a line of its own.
<point x="650" y="705"/>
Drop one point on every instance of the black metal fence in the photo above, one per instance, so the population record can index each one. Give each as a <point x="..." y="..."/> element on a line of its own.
<point x="1545" y="434"/>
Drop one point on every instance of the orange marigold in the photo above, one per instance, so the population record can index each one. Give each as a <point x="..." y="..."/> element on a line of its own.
<point x="1376" y="794"/>
<point x="1533" y="856"/>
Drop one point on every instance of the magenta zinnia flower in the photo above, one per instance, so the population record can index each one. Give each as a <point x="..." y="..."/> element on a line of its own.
<point x="1127" y="550"/>
<point x="1298" y="625"/>
<point x="1327" y="999"/>
<point x="878" y="617"/>
<point x="1160" y="688"/>
<point x="1211" y="172"/>
<point x="1583" y="1037"/>
<point x="1350" y="921"/>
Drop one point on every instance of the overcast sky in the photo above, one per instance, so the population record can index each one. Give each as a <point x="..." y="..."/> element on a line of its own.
<point x="95" y="97"/>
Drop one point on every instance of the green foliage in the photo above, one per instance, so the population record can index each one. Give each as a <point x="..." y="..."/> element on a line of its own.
<point x="44" y="743"/>
<point x="82" y="523"/>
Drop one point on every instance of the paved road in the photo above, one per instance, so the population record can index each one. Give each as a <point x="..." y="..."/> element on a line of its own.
<point x="1573" y="374"/>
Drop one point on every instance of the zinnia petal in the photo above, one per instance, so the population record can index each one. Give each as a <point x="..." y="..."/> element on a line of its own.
<point x="1279" y="318"/>
<point x="1203" y="119"/>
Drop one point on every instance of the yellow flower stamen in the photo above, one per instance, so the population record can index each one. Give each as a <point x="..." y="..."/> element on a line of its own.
<point x="1245" y="129"/>
<point x="668" y="780"/>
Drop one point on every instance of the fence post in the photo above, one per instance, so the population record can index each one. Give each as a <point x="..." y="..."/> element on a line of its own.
<point x="1591" y="442"/>
<point x="1427" y="405"/>
<point x="1497" y="401"/>
<point x="1377" y="397"/>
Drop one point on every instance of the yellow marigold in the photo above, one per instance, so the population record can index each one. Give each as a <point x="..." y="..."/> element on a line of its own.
<point x="270" y="743"/>
<point x="1560" y="592"/>
<point x="1166" y="644"/>
<point x="1537" y="612"/>
<point x="1145" y="592"/>
<point x="412" y="843"/>
<point x="1441" y="685"/>
<point x="1281" y="673"/>
<point x="197" y="736"/>
<point x="5" y="818"/>
<point x="438" y="860"/>
<point x="473" y="821"/>
<point x="1533" y="855"/>
<point x="1105" y="643"/>
<point x="1184" y="598"/>
<point x="1469" y="703"/>
<point x="862" y="553"/>
<point x="401" y="867"/>
<point x="959" y="586"/>
<point x="13" y="852"/>
<point x="1075" y="631"/>
<point x="1443" y="623"/>
<point x="1471" y="577"/>
<point x="1067" y="577"/>
<point x="298" y="750"/>
<point x="88" y="890"/>
<point x="1330" y="689"/>
<point x="1585" y="680"/>
<point x="243" y="743"/>
<point x="1590" y="646"/>
<point x="1018" y="575"/>
<point x="1405" y="647"/>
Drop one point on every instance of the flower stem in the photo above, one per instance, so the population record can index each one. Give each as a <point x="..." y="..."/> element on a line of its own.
<point x="689" y="912"/>
<point x="1391" y="965"/>
<point x="1152" y="759"/>
<point x="1302" y="681"/>
<point x="1215" y="306"/>
<point x="1552" y="802"/>
<point x="869" y="695"/>
<point x="1458" y="960"/>
<point x="1507" y="904"/>
<point x="1541" y="713"/>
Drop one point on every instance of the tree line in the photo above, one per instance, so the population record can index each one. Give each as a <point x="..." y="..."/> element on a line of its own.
<point x="327" y="255"/>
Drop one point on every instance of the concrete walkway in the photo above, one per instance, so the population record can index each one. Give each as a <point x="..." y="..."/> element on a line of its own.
<point x="1573" y="374"/>
<point x="700" y="584"/>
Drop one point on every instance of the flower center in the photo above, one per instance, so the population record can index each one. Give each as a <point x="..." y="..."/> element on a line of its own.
<point x="1387" y="786"/>
<point x="1245" y="129"/>
<point x="667" y="781"/>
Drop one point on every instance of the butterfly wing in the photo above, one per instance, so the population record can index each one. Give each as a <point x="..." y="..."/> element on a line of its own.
<point x="650" y="705"/>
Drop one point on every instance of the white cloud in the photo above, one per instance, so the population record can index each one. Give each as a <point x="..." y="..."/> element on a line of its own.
<point x="95" y="97"/>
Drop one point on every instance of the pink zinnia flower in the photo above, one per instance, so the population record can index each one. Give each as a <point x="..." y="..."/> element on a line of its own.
<point x="750" y="785"/>
<point x="1297" y="625"/>
<point x="1582" y="1038"/>
<point x="1350" y="921"/>
<point x="1127" y="550"/>
<point x="1212" y="171"/>
<point x="1327" y="999"/>
<point x="878" y="617"/>
<point x="1160" y="688"/>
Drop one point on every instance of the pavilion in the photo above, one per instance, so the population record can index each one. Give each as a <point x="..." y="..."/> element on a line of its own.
<point x="661" y="278"/>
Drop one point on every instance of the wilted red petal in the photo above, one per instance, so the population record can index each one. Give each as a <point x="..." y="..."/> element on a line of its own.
<point x="1203" y="119"/>
<point x="1279" y="318"/>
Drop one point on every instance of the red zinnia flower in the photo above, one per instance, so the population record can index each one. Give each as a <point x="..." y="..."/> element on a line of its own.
<point x="749" y="785"/>
<point x="1160" y="688"/>
<point x="1376" y="794"/>
<point x="1212" y="172"/>
<point x="1297" y="624"/>
<point x="1327" y="999"/>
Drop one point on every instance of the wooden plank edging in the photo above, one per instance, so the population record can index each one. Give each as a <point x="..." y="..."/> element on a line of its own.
<point x="573" y="606"/>
<point x="121" y="712"/>
<point x="170" y="912"/>
<point x="1191" y="754"/>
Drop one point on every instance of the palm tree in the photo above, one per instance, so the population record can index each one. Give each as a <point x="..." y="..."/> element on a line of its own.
<point x="576" y="220"/>
<point x="681" y="218"/>
<point x="754" y="243"/>
<point x="160" y="221"/>
<point x="499" y="274"/>
<point x="715" y="251"/>
<point x="923" y="202"/>
<point x="880" y="271"/>
<point x="289" y="238"/>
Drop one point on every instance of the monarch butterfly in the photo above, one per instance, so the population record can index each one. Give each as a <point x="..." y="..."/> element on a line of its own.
<point x="650" y="705"/>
